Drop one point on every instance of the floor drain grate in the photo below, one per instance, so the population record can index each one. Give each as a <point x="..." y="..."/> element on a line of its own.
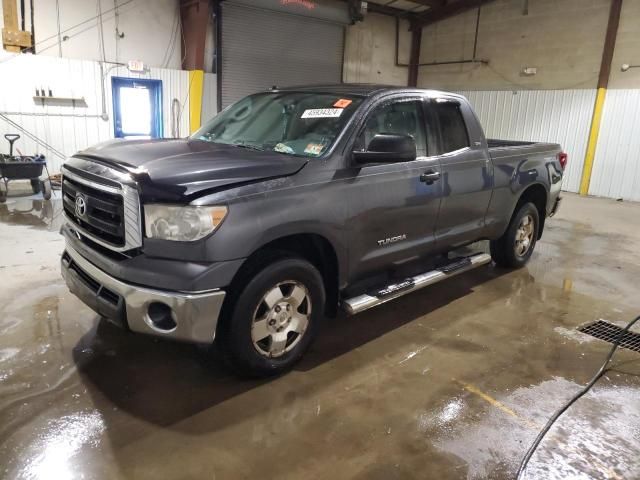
<point x="609" y="333"/>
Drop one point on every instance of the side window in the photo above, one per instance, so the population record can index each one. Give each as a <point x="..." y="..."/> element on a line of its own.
<point x="403" y="118"/>
<point x="452" y="126"/>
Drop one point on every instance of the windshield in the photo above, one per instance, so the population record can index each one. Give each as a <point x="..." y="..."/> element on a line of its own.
<point x="293" y="123"/>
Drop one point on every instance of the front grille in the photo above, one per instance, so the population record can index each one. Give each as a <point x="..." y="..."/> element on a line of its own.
<point x="611" y="333"/>
<point x="101" y="212"/>
<point x="104" y="211"/>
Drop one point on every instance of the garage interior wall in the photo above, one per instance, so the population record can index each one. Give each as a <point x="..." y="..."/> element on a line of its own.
<point x="145" y="30"/>
<point x="66" y="129"/>
<point x="369" y="51"/>
<point x="554" y="105"/>
<point x="209" y="98"/>
<point x="262" y="47"/>
<point x="559" y="116"/>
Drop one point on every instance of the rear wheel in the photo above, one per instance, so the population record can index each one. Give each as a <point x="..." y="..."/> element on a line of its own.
<point x="515" y="247"/>
<point x="274" y="319"/>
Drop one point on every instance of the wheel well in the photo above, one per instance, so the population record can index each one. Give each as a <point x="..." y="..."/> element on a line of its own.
<point x="314" y="248"/>
<point x="537" y="195"/>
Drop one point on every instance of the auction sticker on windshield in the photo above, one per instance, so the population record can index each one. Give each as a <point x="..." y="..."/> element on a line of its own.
<point x="322" y="113"/>
<point x="342" y="103"/>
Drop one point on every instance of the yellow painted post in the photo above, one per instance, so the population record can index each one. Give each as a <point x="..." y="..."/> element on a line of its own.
<point x="196" y="87"/>
<point x="603" y="83"/>
<point x="593" y="141"/>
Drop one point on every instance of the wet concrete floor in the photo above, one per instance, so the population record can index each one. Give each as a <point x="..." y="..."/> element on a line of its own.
<point x="452" y="382"/>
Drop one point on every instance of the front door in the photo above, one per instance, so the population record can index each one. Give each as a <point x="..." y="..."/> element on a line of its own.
<point x="137" y="107"/>
<point x="392" y="209"/>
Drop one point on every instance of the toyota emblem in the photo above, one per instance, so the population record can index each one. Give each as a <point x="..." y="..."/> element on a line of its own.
<point x="81" y="206"/>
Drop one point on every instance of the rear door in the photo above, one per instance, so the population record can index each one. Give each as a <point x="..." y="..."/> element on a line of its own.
<point x="467" y="174"/>
<point x="392" y="211"/>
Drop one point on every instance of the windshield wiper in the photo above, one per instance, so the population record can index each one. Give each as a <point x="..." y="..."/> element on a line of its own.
<point x="248" y="146"/>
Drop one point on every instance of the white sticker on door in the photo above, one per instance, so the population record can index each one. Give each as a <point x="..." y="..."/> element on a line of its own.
<point x="322" y="113"/>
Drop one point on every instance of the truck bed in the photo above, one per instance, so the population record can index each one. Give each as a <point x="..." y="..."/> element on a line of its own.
<point x="496" y="143"/>
<point x="502" y="148"/>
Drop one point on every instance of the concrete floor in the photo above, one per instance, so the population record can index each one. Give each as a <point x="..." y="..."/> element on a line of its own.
<point x="451" y="382"/>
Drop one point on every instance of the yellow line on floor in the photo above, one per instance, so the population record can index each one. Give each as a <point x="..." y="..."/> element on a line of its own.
<point x="496" y="403"/>
<point x="595" y="463"/>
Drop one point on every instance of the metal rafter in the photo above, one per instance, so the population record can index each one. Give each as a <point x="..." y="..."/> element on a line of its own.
<point x="430" y="3"/>
<point x="388" y="10"/>
<point x="451" y="9"/>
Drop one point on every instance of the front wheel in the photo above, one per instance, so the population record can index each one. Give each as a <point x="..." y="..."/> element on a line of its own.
<point x="274" y="319"/>
<point x="516" y="245"/>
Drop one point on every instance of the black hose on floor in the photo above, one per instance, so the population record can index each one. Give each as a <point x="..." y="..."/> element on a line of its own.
<point x="572" y="400"/>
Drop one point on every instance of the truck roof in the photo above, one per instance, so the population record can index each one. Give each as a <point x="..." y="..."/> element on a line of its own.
<point x="358" y="89"/>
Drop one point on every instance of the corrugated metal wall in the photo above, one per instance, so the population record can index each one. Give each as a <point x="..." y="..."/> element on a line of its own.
<point x="262" y="48"/>
<point x="209" y="98"/>
<point x="559" y="116"/>
<point x="616" y="169"/>
<point x="68" y="129"/>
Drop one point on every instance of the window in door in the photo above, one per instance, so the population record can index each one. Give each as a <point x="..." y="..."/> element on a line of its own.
<point x="453" y="128"/>
<point x="400" y="118"/>
<point x="137" y="107"/>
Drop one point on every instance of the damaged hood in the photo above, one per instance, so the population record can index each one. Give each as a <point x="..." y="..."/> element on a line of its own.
<point x="170" y="169"/>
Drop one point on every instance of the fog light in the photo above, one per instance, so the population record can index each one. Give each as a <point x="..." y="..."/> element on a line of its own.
<point x="161" y="316"/>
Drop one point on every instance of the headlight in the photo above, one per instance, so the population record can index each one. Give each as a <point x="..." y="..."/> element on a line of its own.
<point x="182" y="224"/>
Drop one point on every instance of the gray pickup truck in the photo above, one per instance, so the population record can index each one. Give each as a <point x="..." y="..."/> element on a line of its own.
<point x="292" y="204"/>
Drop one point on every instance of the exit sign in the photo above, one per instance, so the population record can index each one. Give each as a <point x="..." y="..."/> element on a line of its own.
<point x="136" y="66"/>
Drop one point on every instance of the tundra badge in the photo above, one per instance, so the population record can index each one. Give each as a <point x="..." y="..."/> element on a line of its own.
<point x="389" y="241"/>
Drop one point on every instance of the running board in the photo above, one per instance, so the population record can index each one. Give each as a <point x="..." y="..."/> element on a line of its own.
<point x="373" y="299"/>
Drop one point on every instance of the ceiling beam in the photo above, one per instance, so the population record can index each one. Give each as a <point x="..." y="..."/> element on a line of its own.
<point x="387" y="10"/>
<point x="431" y="3"/>
<point x="194" y="15"/>
<point x="434" y="15"/>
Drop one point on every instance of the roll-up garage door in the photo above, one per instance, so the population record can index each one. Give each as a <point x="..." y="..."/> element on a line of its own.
<point x="262" y="48"/>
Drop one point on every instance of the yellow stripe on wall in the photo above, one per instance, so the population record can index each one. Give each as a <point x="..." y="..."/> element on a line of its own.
<point x="196" y="87"/>
<point x="593" y="142"/>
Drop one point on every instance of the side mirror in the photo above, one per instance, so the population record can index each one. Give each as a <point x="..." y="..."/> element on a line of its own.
<point x="387" y="147"/>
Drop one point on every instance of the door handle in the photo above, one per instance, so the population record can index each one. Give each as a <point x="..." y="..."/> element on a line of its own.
<point x="429" y="177"/>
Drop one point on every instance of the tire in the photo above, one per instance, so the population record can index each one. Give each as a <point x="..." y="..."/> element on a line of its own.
<point x="515" y="247"/>
<point x="46" y="189"/>
<point x="35" y="185"/>
<point x="274" y="319"/>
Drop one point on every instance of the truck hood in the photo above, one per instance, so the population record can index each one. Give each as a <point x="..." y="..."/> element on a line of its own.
<point x="170" y="170"/>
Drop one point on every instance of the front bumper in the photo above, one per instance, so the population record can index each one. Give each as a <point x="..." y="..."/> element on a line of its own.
<point x="194" y="315"/>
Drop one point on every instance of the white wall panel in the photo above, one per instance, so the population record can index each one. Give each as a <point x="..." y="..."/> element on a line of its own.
<point x="69" y="129"/>
<point x="559" y="116"/>
<point x="151" y="30"/>
<point x="616" y="169"/>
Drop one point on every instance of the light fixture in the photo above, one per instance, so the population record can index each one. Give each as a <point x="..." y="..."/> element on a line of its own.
<point x="625" y="67"/>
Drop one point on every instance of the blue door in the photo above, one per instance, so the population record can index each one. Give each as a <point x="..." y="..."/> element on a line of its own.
<point x="137" y="107"/>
